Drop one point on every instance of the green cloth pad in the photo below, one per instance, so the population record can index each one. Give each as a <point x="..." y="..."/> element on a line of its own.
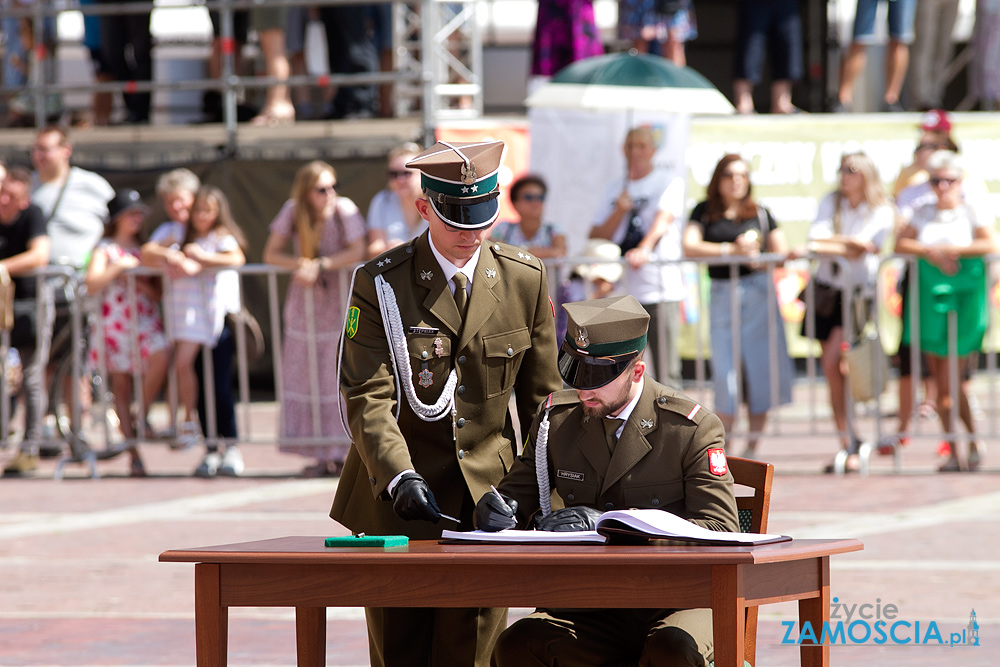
<point x="368" y="541"/>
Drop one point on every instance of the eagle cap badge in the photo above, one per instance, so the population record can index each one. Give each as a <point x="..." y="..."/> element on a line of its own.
<point x="582" y="339"/>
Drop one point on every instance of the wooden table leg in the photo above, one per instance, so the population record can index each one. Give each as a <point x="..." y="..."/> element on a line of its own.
<point x="211" y="619"/>
<point x="728" y="615"/>
<point x="310" y="636"/>
<point x="816" y="612"/>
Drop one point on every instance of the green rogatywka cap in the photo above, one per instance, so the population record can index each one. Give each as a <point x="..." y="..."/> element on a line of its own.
<point x="460" y="180"/>
<point x="602" y="337"/>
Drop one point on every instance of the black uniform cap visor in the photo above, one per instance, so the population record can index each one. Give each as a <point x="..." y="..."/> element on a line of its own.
<point x="582" y="371"/>
<point x="467" y="216"/>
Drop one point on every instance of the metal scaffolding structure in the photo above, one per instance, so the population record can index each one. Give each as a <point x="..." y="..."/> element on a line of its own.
<point x="437" y="66"/>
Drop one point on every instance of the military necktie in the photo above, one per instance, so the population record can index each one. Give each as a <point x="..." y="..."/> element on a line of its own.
<point x="611" y="425"/>
<point x="461" y="295"/>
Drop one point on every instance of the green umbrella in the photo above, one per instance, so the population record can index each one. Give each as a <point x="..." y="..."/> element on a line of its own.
<point x="630" y="81"/>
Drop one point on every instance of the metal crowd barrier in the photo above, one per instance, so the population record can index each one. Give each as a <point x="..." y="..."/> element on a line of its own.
<point x="869" y="419"/>
<point x="89" y="443"/>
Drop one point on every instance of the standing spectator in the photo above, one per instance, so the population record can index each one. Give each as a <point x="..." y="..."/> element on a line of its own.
<point x="986" y="54"/>
<point x="730" y="222"/>
<point x="196" y="315"/>
<point x="126" y="48"/>
<point x="932" y="51"/>
<point x="270" y="24"/>
<point x="935" y="134"/>
<point x="102" y="102"/>
<point x="670" y="22"/>
<point x="24" y="247"/>
<point x="176" y="190"/>
<point x="773" y="26"/>
<point x="392" y="219"/>
<point x="852" y="222"/>
<point x="434" y="436"/>
<point x="116" y="253"/>
<point x="73" y="200"/>
<point x="327" y="235"/>
<point x="947" y="234"/>
<point x="897" y="57"/>
<point x="211" y="101"/>
<point x="643" y="217"/>
<point x="351" y="46"/>
<point x="565" y="31"/>
<point x="543" y="239"/>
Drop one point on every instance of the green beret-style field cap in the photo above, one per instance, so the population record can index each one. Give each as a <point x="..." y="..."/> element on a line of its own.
<point x="602" y="337"/>
<point x="460" y="180"/>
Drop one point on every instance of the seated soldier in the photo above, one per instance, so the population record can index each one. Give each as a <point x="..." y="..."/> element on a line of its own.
<point x="617" y="440"/>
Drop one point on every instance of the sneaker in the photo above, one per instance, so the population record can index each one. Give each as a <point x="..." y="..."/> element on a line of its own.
<point x="22" y="464"/>
<point x="209" y="465"/>
<point x="232" y="463"/>
<point x="189" y="436"/>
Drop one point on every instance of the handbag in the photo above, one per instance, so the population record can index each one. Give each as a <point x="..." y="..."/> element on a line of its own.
<point x="6" y="300"/>
<point x="633" y="233"/>
<point x="867" y="364"/>
<point x="825" y="299"/>
<point x="254" y="336"/>
<point x="24" y="333"/>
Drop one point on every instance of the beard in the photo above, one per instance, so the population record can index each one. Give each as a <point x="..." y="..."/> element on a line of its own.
<point x="611" y="407"/>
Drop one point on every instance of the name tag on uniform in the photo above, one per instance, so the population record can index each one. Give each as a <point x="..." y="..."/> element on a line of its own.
<point x="569" y="474"/>
<point x="430" y="331"/>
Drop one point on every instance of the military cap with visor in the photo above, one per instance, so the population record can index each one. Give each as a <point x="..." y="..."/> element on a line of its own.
<point x="602" y="337"/>
<point x="460" y="181"/>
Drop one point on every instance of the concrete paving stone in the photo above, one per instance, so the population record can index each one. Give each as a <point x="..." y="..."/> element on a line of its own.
<point x="83" y="588"/>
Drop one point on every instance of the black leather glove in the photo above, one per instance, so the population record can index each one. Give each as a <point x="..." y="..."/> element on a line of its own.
<point x="412" y="499"/>
<point x="493" y="514"/>
<point x="570" y="518"/>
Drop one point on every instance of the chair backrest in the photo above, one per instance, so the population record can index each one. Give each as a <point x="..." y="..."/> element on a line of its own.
<point x="753" y="511"/>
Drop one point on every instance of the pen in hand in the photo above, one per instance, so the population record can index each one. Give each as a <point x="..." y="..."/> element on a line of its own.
<point x="450" y="518"/>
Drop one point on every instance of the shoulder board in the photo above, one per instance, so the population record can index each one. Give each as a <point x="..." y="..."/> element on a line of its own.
<point x="390" y="258"/>
<point x="521" y="255"/>
<point x="682" y="405"/>
<point x="565" y="397"/>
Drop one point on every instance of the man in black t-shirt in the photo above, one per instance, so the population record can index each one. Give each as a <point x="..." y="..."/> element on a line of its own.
<point x="24" y="246"/>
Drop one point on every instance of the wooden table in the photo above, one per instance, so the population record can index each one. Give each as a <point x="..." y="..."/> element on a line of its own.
<point x="301" y="572"/>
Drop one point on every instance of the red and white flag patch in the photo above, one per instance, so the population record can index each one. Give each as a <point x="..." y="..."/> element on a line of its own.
<point x="717" y="462"/>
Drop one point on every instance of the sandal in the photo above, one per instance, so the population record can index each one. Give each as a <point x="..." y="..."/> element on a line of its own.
<point x="951" y="465"/>
<point x="888" y="444"/>
<point x="274" y="116"/>
<point x="137" y="469"/>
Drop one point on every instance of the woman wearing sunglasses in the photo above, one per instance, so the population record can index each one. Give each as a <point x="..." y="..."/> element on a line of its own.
<point x="852" y="223"/>
<point x="326" y="233"/>
<point x="949" y="237"/>
<point x="392" y="218"/>
<point x="543" y="239"/>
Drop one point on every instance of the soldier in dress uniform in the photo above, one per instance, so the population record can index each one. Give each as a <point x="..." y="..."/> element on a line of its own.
<point x="618" y="440"/>
<point x="439" y="332"/>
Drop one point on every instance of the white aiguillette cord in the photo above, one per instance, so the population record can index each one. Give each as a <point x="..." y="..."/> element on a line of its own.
<point x="542" y="462"/>
<point x="399" y="353"/>
<point x="398" y="350"/>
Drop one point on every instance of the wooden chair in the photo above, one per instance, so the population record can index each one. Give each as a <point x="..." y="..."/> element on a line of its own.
<point x="752" y="511"/>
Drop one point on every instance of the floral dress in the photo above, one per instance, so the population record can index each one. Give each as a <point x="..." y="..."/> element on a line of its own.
<point x="564" y="33"/>
<point x="346" y="226"/>
<point x="115" y="316"/>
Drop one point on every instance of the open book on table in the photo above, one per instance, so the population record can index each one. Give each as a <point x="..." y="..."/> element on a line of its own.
<point x="627" y="524"/>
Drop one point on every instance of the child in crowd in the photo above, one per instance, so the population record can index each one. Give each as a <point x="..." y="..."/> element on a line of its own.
<point x="114" y="351"/>
<point x="211" y="240"/>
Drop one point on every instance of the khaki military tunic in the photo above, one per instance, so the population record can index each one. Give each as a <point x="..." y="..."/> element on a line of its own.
<point x="660" y="461"/>
<point x="506" y="344"/>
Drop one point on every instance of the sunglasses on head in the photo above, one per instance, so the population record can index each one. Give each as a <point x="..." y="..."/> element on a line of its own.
<point x="401" y="173"/>
<point x="849" y="168"/>
<point x="532" y="197"/>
